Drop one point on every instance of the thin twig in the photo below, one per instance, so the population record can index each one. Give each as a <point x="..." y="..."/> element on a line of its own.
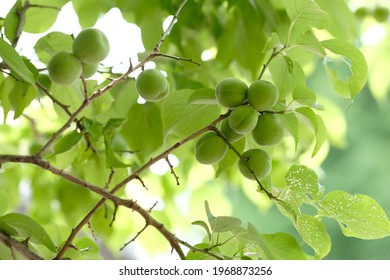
<point x="20" y="247"/>
<point x="134" y="238"/>
<point x="172" y="171"/>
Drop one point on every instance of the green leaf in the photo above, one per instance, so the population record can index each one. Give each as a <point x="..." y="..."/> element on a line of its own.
<point x="28" y="228"/>
<point x="285" y="75"/>
<point x="284" y="246"/>
<point x="51" y="43"/>
<point x="307" y="13"/>
<point x="358" y="215"/>
<point x="322" y="135"/>
<point x="21" y="96"/>
<point x="3" y="202"/>
<point x="5" y="90"/>
<point x="302" y="186"/>
<point x="231" y="157"/>
<point x="305" y="96"/>
<point x="259" y="240"/>
<point x="343" y="21"/>
<point x="143" y="131"/>
<point x="15" y="62"/>
<point x="203" y="96"/>
<point x="196" y="255"/>
<point x="309" y="42"/>
<point x="40" y="19"/>
<point x="317" y="124"/>
<point x="351" y="83"/>
<point x="181" y="119"/>
<point x="224" y="223"/>
<point x="314" y="233"/>
<point x="204" y="226"/>
<point x="272" y="42"/>
<point x="109" y="133"/>
<point x="66" y="142"/>
<point x="291" y="123"/>
<point x="88" y="11"/>
<point x="11" y="21"/>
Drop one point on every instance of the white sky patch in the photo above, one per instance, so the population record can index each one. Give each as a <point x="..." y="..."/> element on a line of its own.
<point x="374" y="35"/>
<point x="161" y="167"/>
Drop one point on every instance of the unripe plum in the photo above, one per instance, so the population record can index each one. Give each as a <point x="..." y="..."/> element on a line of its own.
<point x="151" y="85"/>
<point x="230" y="134"/>
<point x="64" y="68"/>
<point x="231" y="92"/>
<point x="210" y="148"/>
<point x="243" y="119"/>
<point x="381" y="13"/>
<point x="89" y="70"/>
<point x="269" y="130"/>
<point x="262" y="95"/>
<point x="259" y="161"/>
<point x="91" y="46"/>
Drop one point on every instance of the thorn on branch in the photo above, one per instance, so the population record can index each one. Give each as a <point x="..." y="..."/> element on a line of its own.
<point x="173" y="171"/>
<point x="151" y="208"/>
<point x="114" y="214"/>
<point x="110" y="178"/>
<point x="135" y="237"/>
<point x="92" y="230"/>
<point x="142" y="182"/>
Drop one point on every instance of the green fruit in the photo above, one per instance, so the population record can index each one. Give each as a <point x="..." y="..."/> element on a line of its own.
<point x="361" y="12"/>
<point x="210" y="148"/>
<point x="230" y="134"/>
<point x="152" y="85"/>
<point x="89" y="70"/>
<point x="258" y="161"/>
<point x="269" y="130"/>
<point x="243" y="119"/>
<point x="231" y="92"/>
<point x="381" y="14"/>
<point x="64" y="68"/>
<point x="262" y="95"/>
<point x="91" y="46"/>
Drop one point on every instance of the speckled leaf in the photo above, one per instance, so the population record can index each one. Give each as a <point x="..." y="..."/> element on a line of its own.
<point x="301" y="186"/>
<point x="358" y="215"/>
<point x="314" y="233"/>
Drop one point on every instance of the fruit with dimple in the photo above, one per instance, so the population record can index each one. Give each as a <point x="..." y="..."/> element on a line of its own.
<point x="151" y="85"/>
<point x="64" y="68"/>
<point x="89" y="70"/>
<point x="262" y="95"/>
<point x="258" y="161"/>
<point x="243" y="119"/>
<point x="231" y="92"/>
<point x="91" y="46"/>
<point x="269" y="130"/>
<point x="230" y="134"/>
<point x="210" y="148"/>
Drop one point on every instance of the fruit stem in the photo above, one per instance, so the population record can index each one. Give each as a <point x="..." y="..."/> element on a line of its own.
<point x="220" y="134"/>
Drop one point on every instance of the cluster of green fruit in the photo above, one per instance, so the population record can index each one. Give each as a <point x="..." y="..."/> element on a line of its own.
<point x="251" y="113"/>
<point x="89" y="48"/>
<point x="151" y="85"/>
<point x="381" y="14"/>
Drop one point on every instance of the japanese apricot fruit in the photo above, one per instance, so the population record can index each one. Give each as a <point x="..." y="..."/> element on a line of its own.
<point x="151" y="85"/>
<point x="262" y="95"/>
<point x="91" y="46"/>
<point x="64" y="68"/>
<point x="210" y="148"/>
<point x="258" y="161"/>
<point x="230" y="134"/>
<point x="269" y="130"/>
<point x="231" y="92"/>
<point x="243" y="119"/>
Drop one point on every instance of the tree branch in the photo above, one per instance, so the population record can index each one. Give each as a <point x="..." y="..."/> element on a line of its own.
<point x="20" y="247"/>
